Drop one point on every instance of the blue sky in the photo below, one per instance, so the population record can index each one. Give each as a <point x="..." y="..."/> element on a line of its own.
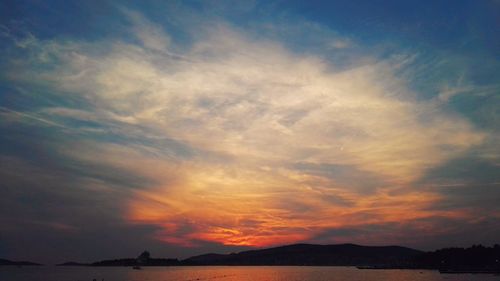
<point x="187" y="127"/>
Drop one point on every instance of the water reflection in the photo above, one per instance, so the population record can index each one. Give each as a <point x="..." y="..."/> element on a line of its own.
<point x="225" y="273"/>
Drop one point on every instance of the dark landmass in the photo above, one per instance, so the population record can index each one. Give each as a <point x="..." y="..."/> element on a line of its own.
<point x="143" y="259"/>
<point x="18" y="263"/>
<point x="134" y="262"/>
<point x="308" y="254"/>
<point x="298" y="254"/>
<point x="71" y="263"/>
<point x="475" y="259"/>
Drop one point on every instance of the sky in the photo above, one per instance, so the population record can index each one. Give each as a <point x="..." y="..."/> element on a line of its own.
<point x="187" y="127"/>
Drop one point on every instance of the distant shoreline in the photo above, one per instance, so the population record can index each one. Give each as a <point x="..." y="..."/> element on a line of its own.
<point x="475" y="259"/>
<point x="441" y="271"/>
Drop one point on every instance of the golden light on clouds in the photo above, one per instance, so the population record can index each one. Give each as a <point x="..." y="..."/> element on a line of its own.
<point x="262" y="146"/>
<point x="233" y="209"/>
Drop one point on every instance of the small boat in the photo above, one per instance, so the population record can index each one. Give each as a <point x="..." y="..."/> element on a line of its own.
<point x="137" y="267"/>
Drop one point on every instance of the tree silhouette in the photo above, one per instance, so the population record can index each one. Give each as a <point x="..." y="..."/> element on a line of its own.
<point x="144" y="257"/>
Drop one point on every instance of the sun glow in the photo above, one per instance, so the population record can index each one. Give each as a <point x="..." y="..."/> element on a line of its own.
<point x="206" y="206"/>
<point x="244" y="142"/>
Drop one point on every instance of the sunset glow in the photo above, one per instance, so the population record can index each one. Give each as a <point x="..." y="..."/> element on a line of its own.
<point x="193" y="130"/>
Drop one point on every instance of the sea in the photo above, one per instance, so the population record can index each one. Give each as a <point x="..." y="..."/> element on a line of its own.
<point x="227" y="273"/>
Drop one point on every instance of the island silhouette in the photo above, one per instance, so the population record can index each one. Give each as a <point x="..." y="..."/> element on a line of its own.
<point x="475" y="259"/>
<point x="18" y="263"/>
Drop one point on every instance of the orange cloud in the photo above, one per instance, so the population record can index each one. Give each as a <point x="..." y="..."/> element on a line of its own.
<point x="258" y="208"/>
<point x="247" y="111"/>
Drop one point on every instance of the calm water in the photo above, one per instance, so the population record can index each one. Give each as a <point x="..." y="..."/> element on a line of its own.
<point x="225" y="273"/>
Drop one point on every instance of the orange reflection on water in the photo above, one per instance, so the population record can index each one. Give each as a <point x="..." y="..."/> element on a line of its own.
<point x="287" y="273"/>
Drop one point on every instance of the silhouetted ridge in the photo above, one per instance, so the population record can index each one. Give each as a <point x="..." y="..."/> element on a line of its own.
<point x="308" y="254"/>
<point x="475" y="258"/>
<point x="72" y="263"/>
<point x="144" y="259"/>
<point x="9" y="262"/>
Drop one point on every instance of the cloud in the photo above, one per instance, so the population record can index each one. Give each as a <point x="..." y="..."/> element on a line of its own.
<point x="149" y="34"/>
<point x="250" y="96"/>
<point x="247" y="113"/>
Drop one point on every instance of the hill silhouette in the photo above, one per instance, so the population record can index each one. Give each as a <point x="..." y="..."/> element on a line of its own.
<point x="19" y="263"/>
<point x="144" y="259"/>
<point x="474" y="259"/>
<point x="72" y="263"/>
<point x="309" y="254"/>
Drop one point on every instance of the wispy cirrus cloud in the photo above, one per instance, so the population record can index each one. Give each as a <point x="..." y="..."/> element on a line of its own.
<point x="246" y="97"/>
<point x="244" y="141"/>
